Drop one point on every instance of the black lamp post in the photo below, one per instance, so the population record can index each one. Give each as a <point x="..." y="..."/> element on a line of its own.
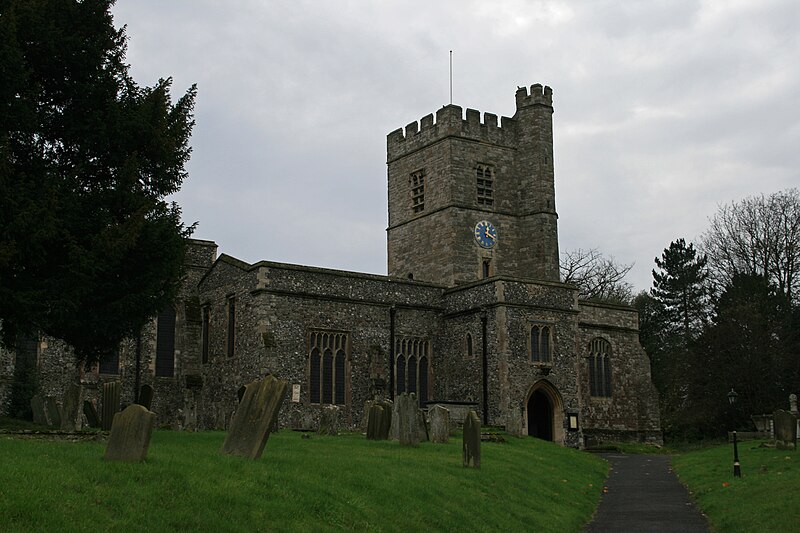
<point x="737" y="472"/>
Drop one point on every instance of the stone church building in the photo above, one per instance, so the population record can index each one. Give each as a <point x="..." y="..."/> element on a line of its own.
<point x="471" y="316"/>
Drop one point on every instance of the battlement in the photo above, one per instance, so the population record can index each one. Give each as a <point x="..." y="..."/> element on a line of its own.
<point x="450" y="122"/>
<point x="538" y="96"/>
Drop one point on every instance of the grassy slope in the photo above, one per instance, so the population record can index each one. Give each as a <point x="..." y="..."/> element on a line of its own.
<point x="765" y="498"/>
<point x="325" y="483"/>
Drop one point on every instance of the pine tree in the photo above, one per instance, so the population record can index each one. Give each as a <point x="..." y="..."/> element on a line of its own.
<point x="680" y="286"/>
<point x="89" y="247"/>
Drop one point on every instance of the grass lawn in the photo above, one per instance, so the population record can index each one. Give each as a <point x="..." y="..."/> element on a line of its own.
<point x="317" y="484"/>
<point x="765" y="498"/>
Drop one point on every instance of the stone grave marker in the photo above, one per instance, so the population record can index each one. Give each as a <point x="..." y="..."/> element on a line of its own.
<point x="110" y="405"/>
<point x="53" y="412"/>
<point x="329" y="421"/>
<point x="90" y="412"/>
<point x="394" y="421"/>
<point x="254" y="418"/>
<point x="375" y="422"/>
<point x="38" y="409"/>
<point x="785" y="430"/>
<point x="130" y="434"/>
<point x="387" y="419"/>
<point x="472" y="440"/>
<point x="364" y="422"/>
<point x="240" y="393"/>
<point x="146" y="396"/>
<point x="422" y="426"/>
<point x="71" y="408"/>
<point x="408" y="420"/>
<point x="440" y="424"/>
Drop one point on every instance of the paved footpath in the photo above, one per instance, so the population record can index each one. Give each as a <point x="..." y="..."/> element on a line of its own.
<point x="645" y="495"/>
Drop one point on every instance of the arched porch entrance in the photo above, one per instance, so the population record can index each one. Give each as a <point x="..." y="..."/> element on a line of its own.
<point x="544" y="412"/>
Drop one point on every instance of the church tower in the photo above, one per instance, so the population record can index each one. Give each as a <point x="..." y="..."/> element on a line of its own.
<point x="470" y="199"/>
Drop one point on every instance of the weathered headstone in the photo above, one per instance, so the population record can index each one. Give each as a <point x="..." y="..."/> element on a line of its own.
<point x="110" y="405"/>
<point x="793" y="404"/>
<point x="71" y="408"/>
<point x="422" y="426"/>
<point x="38" y="409"/>
<point x="254" y="418"/>
<point x="514" y="423"/>
<point x="90" y="412"/>
<point x="375" y="422"/>
<point x="407" y="424"/>
<point x="440" y="424"/>
<point x="364" y="423"/>
<point x="387" y="419"/>
<point x="394" y="421"/>
<point x="146" y="396"/>
<point x="785" y="430"/>
<point x="130" y="434"/>
<point x="329" y="421"/>
<point x="472" y="440"/>
<point x="53" y="412"/>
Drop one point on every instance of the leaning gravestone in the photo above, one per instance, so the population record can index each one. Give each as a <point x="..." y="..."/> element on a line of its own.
<point x="52" y="411"/>
<point x="90" y="412"/>
<point x="71" y="408"/>
<point x="407" y="424"/>
<point x="130" y="434"/>
<point x="254" y="418"/>
<point x="785" y="430"/>
<point x="422" y="426"/>
<point x="110" y="403"/>
<point x="38" y="409"/>
<point x="387" y="420"/>
<point x="146" y="396"/>
<point x="472" y="440"/>
<point x="329" y="421"/>
<point x="440" y="424"/>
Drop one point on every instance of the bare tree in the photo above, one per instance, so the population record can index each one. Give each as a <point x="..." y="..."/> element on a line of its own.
<point x="597" y="277"/>
<point x="759" y="235"/>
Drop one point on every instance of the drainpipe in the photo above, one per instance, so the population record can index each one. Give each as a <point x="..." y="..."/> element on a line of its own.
<point x="485" y="368"/>
<point x="392" y="312"/>
<point x="137" y="378"/>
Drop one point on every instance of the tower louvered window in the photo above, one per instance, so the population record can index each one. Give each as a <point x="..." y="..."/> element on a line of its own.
<point x="417" y="180"/>
<point x="600" y="368"/>
<point x="412" y="364"/>
<point x="165" y="343"/>
<point x="327" y="383"/>
<point x="485" y="177"/>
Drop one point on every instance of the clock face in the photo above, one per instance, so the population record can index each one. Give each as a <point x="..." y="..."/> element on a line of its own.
<point x="485" y="234"/>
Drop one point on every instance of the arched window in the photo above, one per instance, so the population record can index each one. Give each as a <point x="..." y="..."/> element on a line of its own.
<point x="338" y="372"/>
<point x="545" y="342"/>
<point x="535" y="355"/>
<point x="468" y="351"/>
<point x="423" y="380"/>
<point x="600" y="368"/>
<point x="401" y="374"/>
<point x="412" y="374"/>
<point x="314" y="381"/>
<point x="541" y="347"/>
<point x="327" y="367"/>
<point x="165" y="343"/>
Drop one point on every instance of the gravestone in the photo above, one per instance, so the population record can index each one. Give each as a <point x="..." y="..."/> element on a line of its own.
<point x="375" y="422"/>
<point x="364" y="423"/>
<point x="240" y="393"/>
<point x="71" y="408"/>
<point x="52" y="411"/>
<point x="254" y="418"/>
<point x="38" y="409"/>
<point x="110" y="405"/>
<point x="422" y="426"/>
<point x="785" y="430"/>
<point x="146" y="396"/>
<point x="472" y="440"/>
<point x="514" y="423"/>
<point x="408" y="419"/>
<point x="130" y="434"/>
<point x="793" y="404"/>
<point x="329" y="421"/>
<point x="440" y="424"/>
<point x="387" y="418"/>
<point x="394" y="421"/>
<point x="90" y="412"/>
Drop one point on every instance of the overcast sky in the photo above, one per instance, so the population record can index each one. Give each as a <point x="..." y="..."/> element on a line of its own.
<point x="663" y="110"/>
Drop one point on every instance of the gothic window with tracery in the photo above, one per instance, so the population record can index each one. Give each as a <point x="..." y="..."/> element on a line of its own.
<point x="540" y="347"/>
<point x="412" y="364"/>
<point x="328" y="354"/>
<point x="600" y="368"/>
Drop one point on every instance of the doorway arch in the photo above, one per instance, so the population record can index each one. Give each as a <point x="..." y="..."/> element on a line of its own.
<point x="544" y="412"/>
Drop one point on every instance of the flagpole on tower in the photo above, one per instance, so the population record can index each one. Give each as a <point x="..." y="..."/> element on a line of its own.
<point x="451" y="77"/>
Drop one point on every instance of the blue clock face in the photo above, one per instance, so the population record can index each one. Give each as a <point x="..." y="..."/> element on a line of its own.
<point x="485" y="234"/>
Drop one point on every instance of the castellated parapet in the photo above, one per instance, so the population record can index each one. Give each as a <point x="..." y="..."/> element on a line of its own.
<point x="451" y="122"/>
